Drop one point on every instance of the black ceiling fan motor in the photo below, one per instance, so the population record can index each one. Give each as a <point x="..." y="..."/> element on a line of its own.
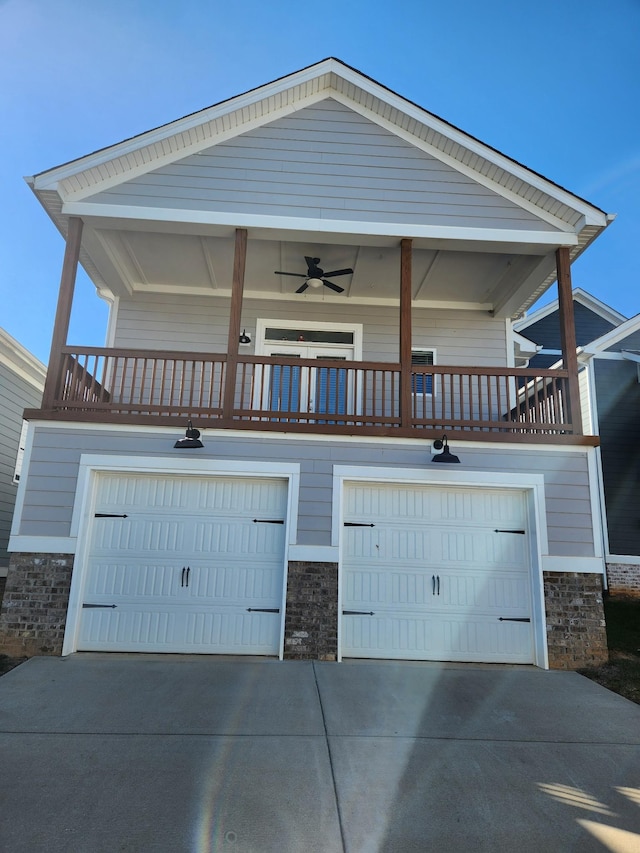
<point x="315" y="276"/>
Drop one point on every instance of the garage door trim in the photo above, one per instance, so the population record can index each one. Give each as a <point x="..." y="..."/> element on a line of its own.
<point x="531" y="484"/>
<point x="84" y="508"/>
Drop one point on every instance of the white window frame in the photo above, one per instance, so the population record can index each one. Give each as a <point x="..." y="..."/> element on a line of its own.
<point x="433" y="351"/>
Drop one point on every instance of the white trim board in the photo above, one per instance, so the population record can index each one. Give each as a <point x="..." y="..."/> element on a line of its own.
<point x="257" y="435"/>
<point x="92" y="464"/>
<point x="531" y="484"/>
<point x="43" y="544"/>
<point x="580" y="565"/>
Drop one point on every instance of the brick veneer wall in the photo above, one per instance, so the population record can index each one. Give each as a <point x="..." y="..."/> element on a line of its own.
<point x="311" y="622"/>
<point x="34" y="609"/>
<point x="623" y="579"/>
<point x="576" y="634"/>
<point x="3" y="583"/>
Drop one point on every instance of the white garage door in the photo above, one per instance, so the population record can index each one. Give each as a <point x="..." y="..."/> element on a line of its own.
<point x="185" y="564"/>
<point x="433" y="573"/>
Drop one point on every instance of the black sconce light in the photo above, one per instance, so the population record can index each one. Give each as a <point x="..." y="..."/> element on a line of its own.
<point x="244" y="338"/>
<point x="446" y="455"/>
<point x="191" y="438"/>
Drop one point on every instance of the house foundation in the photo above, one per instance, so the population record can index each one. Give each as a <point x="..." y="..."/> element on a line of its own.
<point x="34" y="608"/>
<point x="623" y="579"/>
<point x="576" y="635"/>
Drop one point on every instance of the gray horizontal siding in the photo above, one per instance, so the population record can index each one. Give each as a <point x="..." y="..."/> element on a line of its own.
<point x="16" y="394"/>
<point x="56" y="455"/>
<point x="157" y="321"/>
<point x="618" y="400"/>
<point x="325" y="162"/>
<point x="631" y="342"/>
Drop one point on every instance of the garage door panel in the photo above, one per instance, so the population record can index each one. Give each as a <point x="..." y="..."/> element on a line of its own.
<point x="130" y="629"/>
<point x="436" y="586"/>
<point x="410" y="637"/>
<point x="185" y="570"/>
<point x="232" y="632"/>
<point x="138" y="534"/>
<point x="237" y="536"/>
<point x="113" y="581"/>
<point x="259" y="586"/>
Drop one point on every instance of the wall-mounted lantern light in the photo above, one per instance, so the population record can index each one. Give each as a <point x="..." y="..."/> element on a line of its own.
<point x="446" y="455"/>
<point x="191" y="438"/>
<point x="244" y="338"/>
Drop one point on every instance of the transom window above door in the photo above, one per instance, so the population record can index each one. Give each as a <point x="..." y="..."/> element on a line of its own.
<point x="320" y="336"/>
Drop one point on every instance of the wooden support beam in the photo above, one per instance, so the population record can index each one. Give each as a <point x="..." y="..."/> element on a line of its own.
<point x="568" y="336"/>
<point x="63" y="311"/>
<point x="235" y="318"/>
<point x="405" y="333"/>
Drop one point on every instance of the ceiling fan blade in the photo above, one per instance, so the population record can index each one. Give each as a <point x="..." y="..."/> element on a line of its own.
<point x="333" y="286"/>
<point x="296" y="274"/>
<point x="311" y="262"/>
<point x="338" y="272"/>
<point x="302" y="288"/>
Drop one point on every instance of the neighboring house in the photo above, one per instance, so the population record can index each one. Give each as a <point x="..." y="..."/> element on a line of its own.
<point x="609" y="354"/>
<point x="322" y="277"/>
<point x="21" y="383"/>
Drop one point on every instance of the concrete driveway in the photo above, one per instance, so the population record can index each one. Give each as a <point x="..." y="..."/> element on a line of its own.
<point x="146" y="753"/>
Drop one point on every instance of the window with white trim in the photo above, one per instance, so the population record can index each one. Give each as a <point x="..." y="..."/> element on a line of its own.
<point x="20" y="456"/>
<point x="422" y="383"/>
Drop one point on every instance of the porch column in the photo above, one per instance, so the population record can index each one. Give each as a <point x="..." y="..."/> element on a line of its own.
<point x="405" y="333"/>
<point x="63" y="311"/>
<point x="235" y="318"/>
<point x="568" y="336"/>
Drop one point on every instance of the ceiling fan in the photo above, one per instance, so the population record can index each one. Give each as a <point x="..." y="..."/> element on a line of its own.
<point x="315" y="276"/>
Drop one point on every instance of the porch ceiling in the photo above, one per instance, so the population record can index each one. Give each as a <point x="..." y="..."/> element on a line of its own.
<point x="145" y="258"/>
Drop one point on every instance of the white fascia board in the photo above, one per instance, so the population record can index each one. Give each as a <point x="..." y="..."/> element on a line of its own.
<point x="106" y="179"/>
<point x="614" y="336"/>
<point x="584" y="298"/>
<point x="324" y="226"/>
<point x="630" y="356"/>
<point x="51" y="178"/>
<point x="20" y="361"/>
<point x="460" y="167"/>
<point x="593" y="216"/>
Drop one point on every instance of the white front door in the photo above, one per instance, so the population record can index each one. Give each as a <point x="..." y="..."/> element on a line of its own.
<point x="185" y="564"/>
<point x="324" y="390"/>
<point x="436" y="573"/>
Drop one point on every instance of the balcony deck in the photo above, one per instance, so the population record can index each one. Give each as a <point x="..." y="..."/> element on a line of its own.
<point x="101" y="385"/>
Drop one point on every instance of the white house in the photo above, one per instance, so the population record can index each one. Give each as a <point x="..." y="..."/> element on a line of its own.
<point x="322" y="277"/>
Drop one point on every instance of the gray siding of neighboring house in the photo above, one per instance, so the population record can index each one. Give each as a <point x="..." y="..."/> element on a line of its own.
<point x="631" y="342"/>
<point x="323" y="162"/>
<point x="589" y="326"/>
<point x="51" y="483"/>
<point x="546" y="332"/>
<point x="618" y="401"/>
<point x="158" y="321"/>
<point x="16" y="394"/>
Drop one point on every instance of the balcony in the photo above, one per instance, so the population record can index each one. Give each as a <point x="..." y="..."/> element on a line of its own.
<point x="100" y="385"/>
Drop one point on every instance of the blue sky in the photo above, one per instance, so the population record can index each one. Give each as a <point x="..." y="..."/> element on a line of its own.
<point x="554" y="84"/>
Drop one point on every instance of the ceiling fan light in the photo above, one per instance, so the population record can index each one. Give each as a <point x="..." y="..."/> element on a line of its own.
<point x="314" y="282"/>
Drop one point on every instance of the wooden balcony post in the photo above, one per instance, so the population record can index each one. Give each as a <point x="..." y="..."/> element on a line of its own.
<point x="235" y="318"/>
<point x="63" y="311"/>
<point x="405" y="333"/>
<point x="568" y="336"/>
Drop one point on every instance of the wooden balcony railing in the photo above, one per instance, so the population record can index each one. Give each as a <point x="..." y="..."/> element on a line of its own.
<point x="312" y="395"/>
